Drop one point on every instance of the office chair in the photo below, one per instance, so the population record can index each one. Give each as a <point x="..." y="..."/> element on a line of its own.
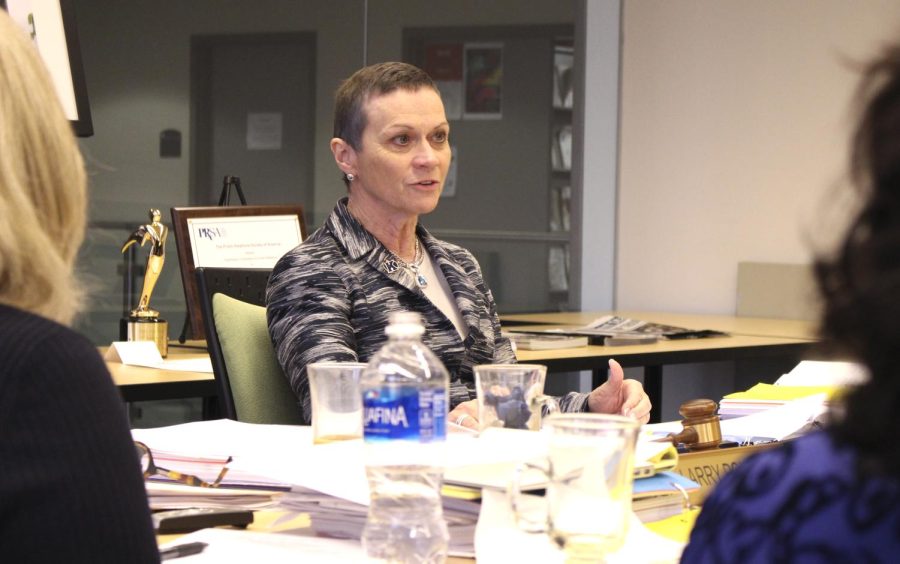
<point x="250" y="383"/>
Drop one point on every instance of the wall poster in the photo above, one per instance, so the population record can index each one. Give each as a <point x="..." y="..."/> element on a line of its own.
<point x="444" y="63"/>
<point x="484" y="79"/>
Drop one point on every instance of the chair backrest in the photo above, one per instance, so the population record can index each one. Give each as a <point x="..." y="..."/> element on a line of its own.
<point x="778" y="291"/>
<point x="251" y="385"/>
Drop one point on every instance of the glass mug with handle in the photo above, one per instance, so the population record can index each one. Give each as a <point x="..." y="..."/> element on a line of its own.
<point x="590" y="469"/>
<point x="512" y="396"/>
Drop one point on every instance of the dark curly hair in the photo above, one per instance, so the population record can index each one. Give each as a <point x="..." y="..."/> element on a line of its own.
<point x="860" y="283"/>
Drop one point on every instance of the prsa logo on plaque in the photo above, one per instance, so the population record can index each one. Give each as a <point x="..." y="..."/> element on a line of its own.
<point x="145" y="324"/>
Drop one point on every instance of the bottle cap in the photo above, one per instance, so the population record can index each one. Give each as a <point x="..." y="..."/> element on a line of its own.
<point x="404" y="324"/>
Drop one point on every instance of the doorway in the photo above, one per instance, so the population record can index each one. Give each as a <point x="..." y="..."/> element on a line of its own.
<point x="252" y="116"/>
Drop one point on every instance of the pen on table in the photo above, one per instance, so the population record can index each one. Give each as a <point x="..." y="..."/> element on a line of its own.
<point x="180" y="550"/>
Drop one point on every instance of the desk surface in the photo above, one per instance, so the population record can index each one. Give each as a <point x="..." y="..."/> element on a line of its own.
<point x="734" y="347"/>
<point x="750" y="338"/>
<point x="749" y="326"/>
<point x="139" y="383"/>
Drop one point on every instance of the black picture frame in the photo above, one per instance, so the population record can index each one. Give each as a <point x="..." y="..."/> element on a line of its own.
<point x="64" y="63"/>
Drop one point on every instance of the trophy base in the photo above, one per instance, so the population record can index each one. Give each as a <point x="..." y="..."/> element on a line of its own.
<point x="148" y="329"/>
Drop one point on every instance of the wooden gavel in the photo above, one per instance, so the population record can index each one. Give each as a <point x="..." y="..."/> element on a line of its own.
<point x="700" y="426"/>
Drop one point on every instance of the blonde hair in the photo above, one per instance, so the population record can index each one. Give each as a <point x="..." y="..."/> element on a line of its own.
<point x="42" y="186"/>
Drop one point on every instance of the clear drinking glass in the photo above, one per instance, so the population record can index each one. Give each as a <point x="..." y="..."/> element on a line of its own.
<point x="512" y="396"/>
<point x="589" y="469"/>
<point x="336" y="400"/>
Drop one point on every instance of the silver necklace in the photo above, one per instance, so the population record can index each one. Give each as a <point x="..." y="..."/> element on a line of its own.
<point x="414" y="266"/>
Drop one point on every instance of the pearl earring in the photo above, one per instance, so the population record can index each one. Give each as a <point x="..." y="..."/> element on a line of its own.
<point x="350" y="177"/>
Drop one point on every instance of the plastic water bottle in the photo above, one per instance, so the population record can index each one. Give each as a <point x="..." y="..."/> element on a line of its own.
<point x="405" y="394"/>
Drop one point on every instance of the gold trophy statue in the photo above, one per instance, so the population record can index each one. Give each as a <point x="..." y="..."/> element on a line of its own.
<point x="145" y="324"/>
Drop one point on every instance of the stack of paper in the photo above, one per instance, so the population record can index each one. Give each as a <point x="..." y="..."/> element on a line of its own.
<point x="766" y="396"/>
<point x="825" y="373"/>
<point x="807" y="379"/>
<point x="661" y="496"/>
<point x="336" y="518"/>
<point x="329" y="482"/>
<point x="651" y="456"/>
<point x="545" y="341"/>
<point x="765" y="426"/>
<point x="231" y="545"/>
<point x="616" y="330"/>
<point x="208" y="467"/>
<point x="179" y="496"/>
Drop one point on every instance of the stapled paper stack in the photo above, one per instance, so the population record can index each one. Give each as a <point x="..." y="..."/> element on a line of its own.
<point x="766" y="396"/>
<point x="807" y="379"/>
<point x="662" y="495"/>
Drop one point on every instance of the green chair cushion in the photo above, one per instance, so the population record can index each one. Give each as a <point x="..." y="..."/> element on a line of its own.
<point x="260" y="390"/>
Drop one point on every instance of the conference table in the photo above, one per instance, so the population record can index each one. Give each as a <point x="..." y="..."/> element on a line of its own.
<point x="139" y="383"/>
<point x="749" y="338"/>
<point x="734" y="325"/>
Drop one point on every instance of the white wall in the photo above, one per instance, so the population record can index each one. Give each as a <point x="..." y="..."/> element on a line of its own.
<point x="734" y="125"/>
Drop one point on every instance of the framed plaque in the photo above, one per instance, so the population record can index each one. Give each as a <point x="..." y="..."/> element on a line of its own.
<point x="231" y="237"/>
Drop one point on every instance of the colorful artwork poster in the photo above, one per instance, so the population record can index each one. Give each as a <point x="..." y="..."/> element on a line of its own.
<point x="484" y="79"/>
<point x="444" y="63"/>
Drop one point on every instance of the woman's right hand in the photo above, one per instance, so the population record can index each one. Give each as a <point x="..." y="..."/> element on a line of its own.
<point x="465" y="414"/>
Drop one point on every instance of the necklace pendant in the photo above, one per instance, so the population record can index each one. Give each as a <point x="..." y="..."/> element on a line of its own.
<point x="421" y="281"/>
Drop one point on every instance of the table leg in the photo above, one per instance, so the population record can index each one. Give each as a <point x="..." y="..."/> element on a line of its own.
<point x="210" y="408"/>
<point x="653" y="387"/>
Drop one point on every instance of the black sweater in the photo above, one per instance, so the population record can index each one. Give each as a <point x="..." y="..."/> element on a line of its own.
<point x="70" y="484"/>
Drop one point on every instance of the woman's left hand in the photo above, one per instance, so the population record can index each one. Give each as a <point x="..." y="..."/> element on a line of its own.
<point x="620" y="396"/>
<point x="465" y="414"/>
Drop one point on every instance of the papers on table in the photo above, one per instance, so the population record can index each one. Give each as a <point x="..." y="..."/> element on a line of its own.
<point x="613" y="330"/>
<point x="663" y="483"/>
<point x="766" y="426"/>
<point x="660" y="496"/>
<point x="277" y="456"/>
<point x="545" y="341"/>
<point x="825" y="373"/>
<point x="499" y="540"/>
<point x="491" y="460"/>
<point x="202" y="449"/>
<point x="774" y="424"/>
<point x="807" y="379"/>
<point x="336" y="518"/>
<point x="651" y="457"/>
<point x="230" y="545"/>
<point x="328" y="481"/>
<point x="616" y="326"/>
<point x="762" y="397"/>
<point x="178" y="496"/>
<point x="145" y="353"/>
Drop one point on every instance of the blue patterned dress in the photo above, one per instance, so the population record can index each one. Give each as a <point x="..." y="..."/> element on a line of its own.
<point x="801" y="502"/>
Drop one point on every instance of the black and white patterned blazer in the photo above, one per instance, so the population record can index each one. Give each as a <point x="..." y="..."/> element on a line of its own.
<point x="329" y="299"/>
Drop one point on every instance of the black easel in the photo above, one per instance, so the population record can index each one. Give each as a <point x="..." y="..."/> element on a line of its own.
<point x="228" y="183"/>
